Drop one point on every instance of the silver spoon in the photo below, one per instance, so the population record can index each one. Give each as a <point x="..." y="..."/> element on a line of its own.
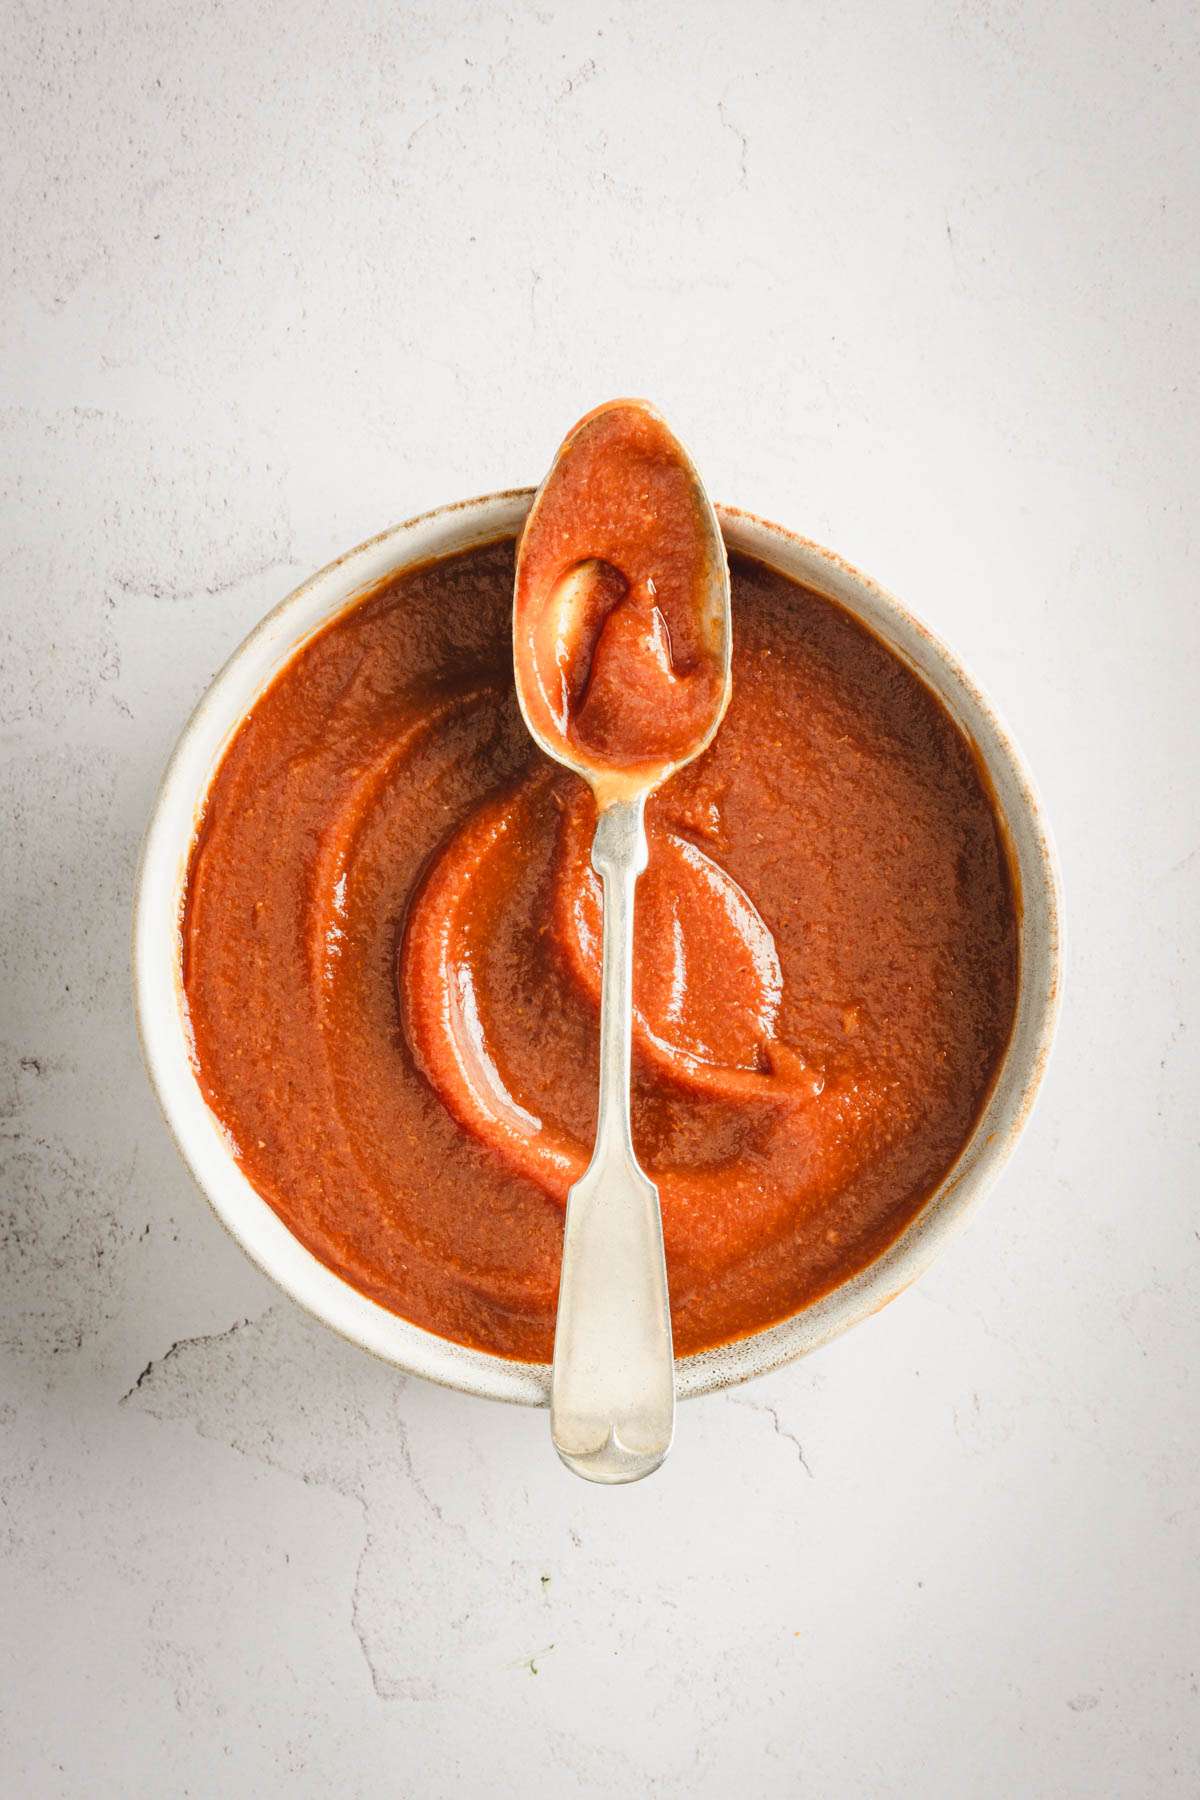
<point x="612" y="1405"/>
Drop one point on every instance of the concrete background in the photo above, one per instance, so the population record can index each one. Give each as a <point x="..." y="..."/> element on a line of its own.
<point x="920" y="280"/>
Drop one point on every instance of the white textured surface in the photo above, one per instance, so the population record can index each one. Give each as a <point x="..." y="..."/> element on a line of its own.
<point x="918" y="280"/>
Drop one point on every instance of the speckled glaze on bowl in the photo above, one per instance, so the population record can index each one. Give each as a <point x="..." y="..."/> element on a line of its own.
<point x="162" y="1019"/>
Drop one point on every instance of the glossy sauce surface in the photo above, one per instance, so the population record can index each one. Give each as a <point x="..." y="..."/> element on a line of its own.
<point x="391" y="961"/>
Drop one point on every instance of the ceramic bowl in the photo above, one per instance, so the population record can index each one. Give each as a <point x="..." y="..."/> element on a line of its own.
<point x="162" y="1018"/>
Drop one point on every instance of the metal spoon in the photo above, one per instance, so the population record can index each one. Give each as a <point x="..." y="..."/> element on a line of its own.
<point x="612" y="1407"/>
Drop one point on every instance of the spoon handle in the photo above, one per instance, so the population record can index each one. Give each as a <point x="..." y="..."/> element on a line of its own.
<point x="612" y="1396"/>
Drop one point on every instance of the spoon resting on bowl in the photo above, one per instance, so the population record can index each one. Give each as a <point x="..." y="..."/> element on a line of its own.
<point x="621" y="651"/>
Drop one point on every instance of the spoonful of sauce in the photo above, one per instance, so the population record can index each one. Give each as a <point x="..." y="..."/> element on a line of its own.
<point x="621" y="649"/>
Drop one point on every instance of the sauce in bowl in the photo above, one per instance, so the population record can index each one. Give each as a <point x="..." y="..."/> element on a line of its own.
<point x="391" y="942"/>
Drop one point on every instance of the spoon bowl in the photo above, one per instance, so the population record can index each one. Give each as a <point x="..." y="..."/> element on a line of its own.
<point x="649" y="546"/>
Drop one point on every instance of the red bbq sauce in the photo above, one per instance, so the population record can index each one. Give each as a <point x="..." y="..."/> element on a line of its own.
<point x="392" y="942"/>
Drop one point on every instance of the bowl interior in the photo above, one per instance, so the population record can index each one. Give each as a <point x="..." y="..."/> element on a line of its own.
<point x="162" y="1019"/>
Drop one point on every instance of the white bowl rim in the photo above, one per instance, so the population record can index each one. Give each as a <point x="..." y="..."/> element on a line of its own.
<point x="165" y="1037"/>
